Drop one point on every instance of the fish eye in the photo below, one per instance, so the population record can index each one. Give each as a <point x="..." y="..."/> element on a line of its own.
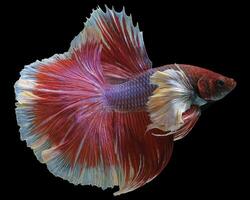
<point x="220" y="83"/>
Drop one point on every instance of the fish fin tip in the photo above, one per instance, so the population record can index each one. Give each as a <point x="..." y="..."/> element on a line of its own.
<point x="127" y="64"/>
<point x="190" y="118"/>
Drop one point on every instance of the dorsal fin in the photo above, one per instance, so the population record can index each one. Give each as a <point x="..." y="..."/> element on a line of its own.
<point x="123" y="54"/>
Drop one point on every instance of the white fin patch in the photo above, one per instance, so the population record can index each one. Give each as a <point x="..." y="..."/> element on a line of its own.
<point x="170" y="100"/>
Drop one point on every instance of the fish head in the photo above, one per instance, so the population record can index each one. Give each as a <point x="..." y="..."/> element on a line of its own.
<point x="213" y="86"/>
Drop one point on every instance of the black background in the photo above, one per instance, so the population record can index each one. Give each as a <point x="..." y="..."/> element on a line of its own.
<point x="209" y="162"/>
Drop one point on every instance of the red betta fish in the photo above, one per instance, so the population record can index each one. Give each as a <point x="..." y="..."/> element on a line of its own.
<point x="94" y="114"/>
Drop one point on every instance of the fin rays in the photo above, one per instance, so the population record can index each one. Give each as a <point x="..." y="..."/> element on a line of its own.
<point x="171" y="98"/>
<point x="62" y="114"/>
<point x="124" y="54"/>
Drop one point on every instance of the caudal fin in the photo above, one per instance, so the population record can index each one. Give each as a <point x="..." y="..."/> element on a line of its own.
<point x="64" y="117"/>
<point x="60" y="112"/>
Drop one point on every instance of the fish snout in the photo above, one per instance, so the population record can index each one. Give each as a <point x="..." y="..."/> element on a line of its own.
<point x="232" y="83"/>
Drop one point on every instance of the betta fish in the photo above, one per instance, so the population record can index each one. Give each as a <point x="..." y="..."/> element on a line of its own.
<point x="100" y="114"/>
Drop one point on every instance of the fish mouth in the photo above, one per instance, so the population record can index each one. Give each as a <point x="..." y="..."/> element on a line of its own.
<point x="232" y="83"/>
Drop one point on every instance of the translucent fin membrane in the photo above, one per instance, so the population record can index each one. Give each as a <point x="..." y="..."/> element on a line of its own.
<point x="63" y="117"/>
<point x="124" y="54"/>
<point x="170" y="99"/>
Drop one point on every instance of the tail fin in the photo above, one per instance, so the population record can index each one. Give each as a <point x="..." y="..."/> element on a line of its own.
<point x="60" y="109"/>
<point x="63" y="117"/>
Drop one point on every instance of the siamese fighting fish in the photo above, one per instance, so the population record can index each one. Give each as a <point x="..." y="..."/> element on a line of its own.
<point x="100" y="114"/>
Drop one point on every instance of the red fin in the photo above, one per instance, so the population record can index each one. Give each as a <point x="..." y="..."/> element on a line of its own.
<point x="124" y="54"/>
<point x="190" y="118"/>
<point x="141" y="155"/>
<point x="111" y="149"/>
<point x="62" y="115"/>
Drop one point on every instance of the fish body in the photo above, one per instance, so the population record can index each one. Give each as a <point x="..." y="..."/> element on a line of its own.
<point x="95" y="113"/>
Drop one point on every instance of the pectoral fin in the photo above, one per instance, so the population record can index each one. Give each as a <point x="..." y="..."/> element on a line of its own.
<point x="170" y="100"/>
<point x="190" y="118"/>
